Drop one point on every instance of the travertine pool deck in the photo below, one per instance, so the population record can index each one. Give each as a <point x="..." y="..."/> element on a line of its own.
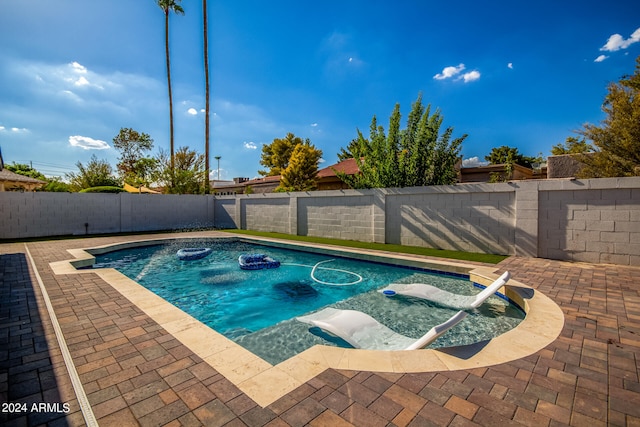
<point x="140" y="364"/>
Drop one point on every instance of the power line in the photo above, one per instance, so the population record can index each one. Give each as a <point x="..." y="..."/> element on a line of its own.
<point x="55" y="166"/>
<point x="51" y="172"/>
<point x="35" y="162"/>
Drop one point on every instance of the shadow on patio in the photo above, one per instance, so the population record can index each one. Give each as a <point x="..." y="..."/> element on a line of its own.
<point x="26" y="369"/>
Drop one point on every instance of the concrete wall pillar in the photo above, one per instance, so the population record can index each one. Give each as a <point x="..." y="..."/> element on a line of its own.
<point x="526" y="217"/>
<point x="211" y="210"/>
<point x="378" y="215"/>
<point x="239" y="218"/>
<point x="293" y="215"/>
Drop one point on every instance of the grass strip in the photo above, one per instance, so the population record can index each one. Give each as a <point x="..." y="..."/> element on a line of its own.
<point x="413" y="250"/>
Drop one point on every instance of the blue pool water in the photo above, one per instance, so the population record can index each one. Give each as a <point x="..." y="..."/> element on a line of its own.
<point x="257" y="308"/>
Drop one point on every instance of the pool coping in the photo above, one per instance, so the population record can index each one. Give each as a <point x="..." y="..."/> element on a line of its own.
<point x="266" y="383"/>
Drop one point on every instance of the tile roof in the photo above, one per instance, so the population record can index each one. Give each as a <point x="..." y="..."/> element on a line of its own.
<point x="7" y="175"/>
<point x="348" y="166"/>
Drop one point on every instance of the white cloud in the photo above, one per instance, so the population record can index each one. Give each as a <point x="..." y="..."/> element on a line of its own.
<point x="449" y="72"/>
<point x="213" y="174"/>
<point x="250" y="145"/>
<point x="355" y="62"/>
<point x="192" y="111"/>
<point x="600" y="58"/>
<point x="79" y="68"/>
<point x="510" y="65"/>
<point x="617" y="42"/>
<point x="87" y="143"/>
<point x="313" y="125"/>
<point x="14" y="129"/>
<point x="75" y="79"/>
<point x="82" y="81"/>
<point x="471" y="76"/>
<point x="472" y="162"/>
<point x="70" y="74"/>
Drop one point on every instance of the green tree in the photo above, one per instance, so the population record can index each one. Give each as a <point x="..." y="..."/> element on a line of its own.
<point x="134" y="166"/>
<point x="276" y="155"/>
<point x="300" y="174"/>
<point x="187" y="174"/>
<point x="54" y="184"/>
<point x="509" y="155"/>
<point x="416" y="156"/>
<point x="347" y="153"/>
<point x="97" y="173"/>
<point x="617" y="139"/>
<point x="572" y="145"/>
<point x="25" y="170"/>
<point x="167" y="7"/>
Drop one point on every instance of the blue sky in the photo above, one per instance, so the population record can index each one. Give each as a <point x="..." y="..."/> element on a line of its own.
<point x="523" y="74"/>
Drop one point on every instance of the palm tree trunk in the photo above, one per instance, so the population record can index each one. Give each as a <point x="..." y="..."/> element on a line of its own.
<point x="166" y="48"/>
<point x="207" y="188"/>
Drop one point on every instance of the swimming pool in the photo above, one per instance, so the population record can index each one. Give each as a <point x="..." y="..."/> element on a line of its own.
<point x="256" y="308"/>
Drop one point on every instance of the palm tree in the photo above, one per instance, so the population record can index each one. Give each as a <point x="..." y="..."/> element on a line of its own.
<point x="168" y="6"/>
<point x="206" y="108"/>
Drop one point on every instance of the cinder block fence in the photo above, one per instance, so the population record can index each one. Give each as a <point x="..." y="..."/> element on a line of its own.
<point x="595" y="220"/>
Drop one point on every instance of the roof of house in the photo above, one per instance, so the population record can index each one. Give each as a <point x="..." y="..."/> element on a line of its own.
<point x="348" y="166"/>
<point x="266" y="179"/>
<point x="7" y="175"/>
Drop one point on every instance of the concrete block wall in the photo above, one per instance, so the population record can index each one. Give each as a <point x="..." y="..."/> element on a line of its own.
<point x="590" y="220"/>
<point x="463" y="218"/>
<point x="168" y="212"/>
<point x="266" y="214"/>
<point x="595" y="220"/>
<point x="225" y="213"/>
<point x="24" y="215"/>
<point x="53" y="214"/>
<point x="337" y="214"/>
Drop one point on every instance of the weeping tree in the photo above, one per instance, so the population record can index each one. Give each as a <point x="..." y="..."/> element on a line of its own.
<point x="572" y="145"/>
<point x="416" y="156"/>
<point x="617" y="139"/>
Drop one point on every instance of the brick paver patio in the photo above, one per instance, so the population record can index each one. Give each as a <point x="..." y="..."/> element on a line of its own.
<point x="135" y="373"/>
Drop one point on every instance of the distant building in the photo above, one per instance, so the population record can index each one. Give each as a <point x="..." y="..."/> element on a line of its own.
<point x="262" y="185"/>
<point x="10" y="181"/>
<point x="485" y="173"/>
<point x="242" y="185"/>
<point x="328" y="179"/>
<point x="565" y="165"/>
<point x="224" y="188"/>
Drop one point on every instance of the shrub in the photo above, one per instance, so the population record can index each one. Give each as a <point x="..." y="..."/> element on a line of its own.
<point x="103" y="189"/>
